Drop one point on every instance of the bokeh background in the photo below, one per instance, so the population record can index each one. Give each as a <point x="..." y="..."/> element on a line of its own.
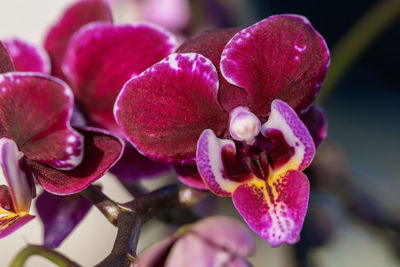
<point x="354" y="214"/>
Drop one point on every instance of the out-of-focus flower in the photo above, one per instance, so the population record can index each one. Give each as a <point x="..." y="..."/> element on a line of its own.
<point x="215" y="241"/>
<point x="37" y="141"/>
<point x="178" y="109"/>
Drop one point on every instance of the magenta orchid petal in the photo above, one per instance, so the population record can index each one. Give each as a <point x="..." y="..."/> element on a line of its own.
<point x="60" y="215"/>
<point x="317" y="123"/>
<point x="164" y="110"/>
<point x="279" y="57"/>
<point x="6" y="64"/>
<point x="27" y="57"/>
<point x="78" y="14"/>
<point x="34" y="111"/>
<point x="16" y="176"/>
<point x="101" y="151"/>
<point x="156" y="254"/>
<point x="275" y="210"/>
<point x="12" y="222"/>
<point x="283" y="123"/>
<point x="225" y="233"/>
<point x="102" y="56"/>
<point x="210" y="163"/>
<point x="211" y="44"/>
<point x="133" y="166"/>
<point x="189" y="176"/>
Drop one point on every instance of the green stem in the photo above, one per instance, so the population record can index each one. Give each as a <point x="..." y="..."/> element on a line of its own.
<point x="357" y="40"/>
<point x="53" y="256"/>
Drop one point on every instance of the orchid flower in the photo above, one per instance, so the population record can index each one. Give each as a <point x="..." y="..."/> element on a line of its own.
<point x="215" y="241"/>
<point x="38" y="142"/>
<point x="228" y="103"/>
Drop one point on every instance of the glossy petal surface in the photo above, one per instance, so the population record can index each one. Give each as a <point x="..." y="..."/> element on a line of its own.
<point x="133" y="166"/>
<point x="27" y="57"/>
<point x="281" y="57"/>
<point x="101" y="151"/>
<point x="189" y="176"/>
<point x="275" y="210"/>
<point x="35" y="112"/>
<point x="317" y="123"/>
<point x="211" y="44"/>
<point x="210" y="163"/>
<point x="60" y="215"/>
<point x="164" y="110"/>
<point x="102" y="57"/>
<point x="12" y="222"/>
<point x="77" y="15"/>
<point x="6" y="64"/>
<point x="284" y="120"/>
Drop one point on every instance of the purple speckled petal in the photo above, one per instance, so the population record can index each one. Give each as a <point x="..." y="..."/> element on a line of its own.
<point x="133" y="166"/>
<point x="60" y="215"/>
<point x="27" y="57"/>
<point x="275" y="210"/>
<point x="164" y="110"/>
<point x="317" y="124"/>
<point x="225" y="233"/>
<point x="283" y="121"/>
<point x="101" y="151"/>
<point x="102" y="56"/>
<point x="16" y="176"/>
<point x="34" y="112"/>
<point x="6" y="64"/>
<point x="78" y="14"/>
<point x="210" y="163"/>
<point x="12" y="222"/>
<point x="190" y="176"/>
<point x="156" y="254"/>
<point x="279" y="57"/>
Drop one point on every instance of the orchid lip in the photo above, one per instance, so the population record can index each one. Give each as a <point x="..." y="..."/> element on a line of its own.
<point x="244" y="125"/>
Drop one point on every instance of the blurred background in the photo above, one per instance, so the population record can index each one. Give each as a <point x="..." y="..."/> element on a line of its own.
<point x="354" y="212"/>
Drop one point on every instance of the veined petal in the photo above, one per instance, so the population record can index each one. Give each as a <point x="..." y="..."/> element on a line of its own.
<point x="12" y="222"/>
<point x="163" y="111"/>
<point x="60" y="215"/>
<point x="102" y="56"/>
<point x="77" y="15"/>
<point x="294" y="148"/>
<point x="279" y="57"/>
<point x="16" y="176"/>
<point x="6" y="64"/>
<point x="316" y="122"/>
<point x="209" y="160"/>
<point x="27" y="57"/>
<point x="211" y="44"/>
<point x="101" y="151"/>
<point x="34" y="112"/>
<point x="190" y="176"/>
<point x="275" y="210"/>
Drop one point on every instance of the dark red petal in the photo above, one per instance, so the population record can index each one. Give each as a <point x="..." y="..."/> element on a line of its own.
<point x="6" y="64"/>
<point x="6" y="202"/>
<point x="281" y="57"/>
<point x="317" y="124"/>
<point x="77" y="15"/>
<point x="211" y="44"/>
<point x="101" y="151"/>
<point x="34" y="112"/>
<point x="27" y="57"/>
<point x="164" y="110"/>
<point x="190" y="176"/>
<point x="102" y="57"/>
<point x="133" y="166"/>
<point x="60" y="215"/>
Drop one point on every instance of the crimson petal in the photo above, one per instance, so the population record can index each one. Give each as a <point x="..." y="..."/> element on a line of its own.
<point x="6" y="64"/>
<point x="27" y="57"/>
<point x="60" y="215"/>
<point x="190" y="176"/>
<point x="164" y="110"/>
<point x="281" y="57"/>
<point x="34" y="112"/>
<point x="102" y="56"/>
<point x="101" y="151"/>
<point x="316" y="122"/>
<point x="77" y="15"/>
